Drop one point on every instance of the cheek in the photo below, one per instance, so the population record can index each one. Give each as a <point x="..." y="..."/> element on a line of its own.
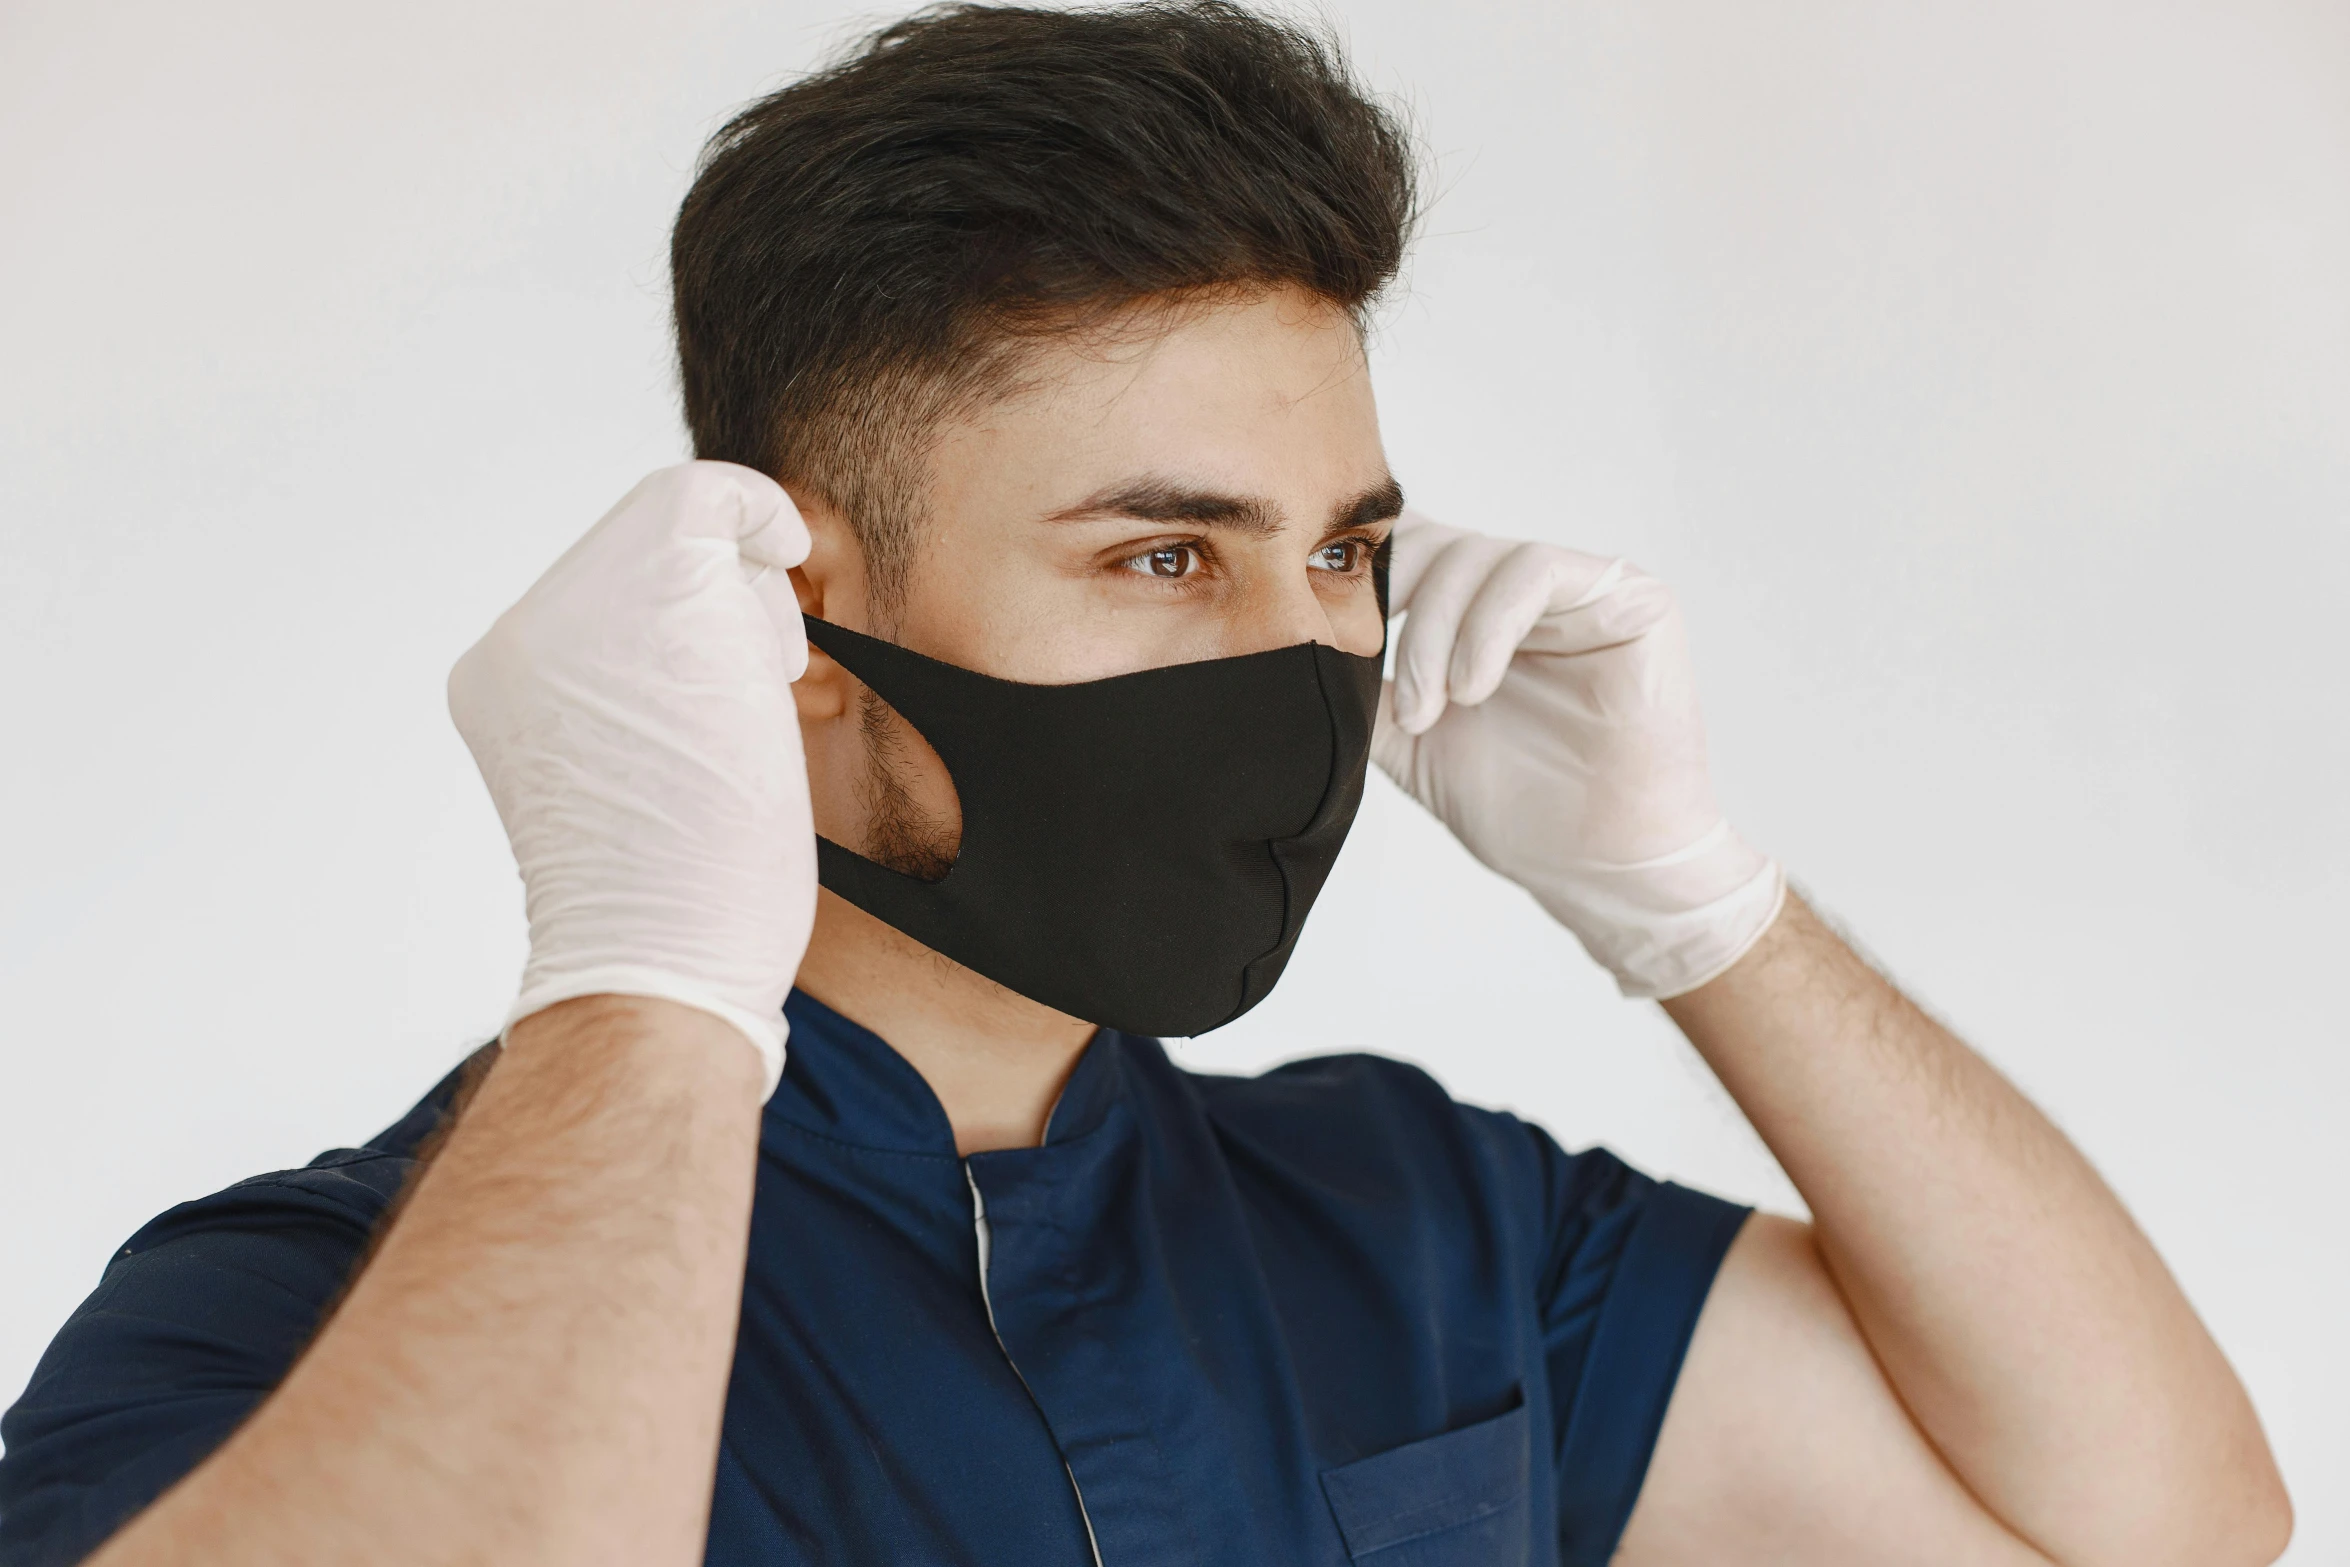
<point x="1356" y="626"/>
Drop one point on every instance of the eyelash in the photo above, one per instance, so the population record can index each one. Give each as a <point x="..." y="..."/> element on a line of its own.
<point x="1202" y="556"/>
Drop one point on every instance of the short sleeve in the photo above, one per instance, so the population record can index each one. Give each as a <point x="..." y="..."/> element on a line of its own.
<point x="1629" y="1262"/>
<point x="195" y="1320"/>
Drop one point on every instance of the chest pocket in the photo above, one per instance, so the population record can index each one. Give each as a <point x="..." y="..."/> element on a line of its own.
<point x="1448" y="1501"/>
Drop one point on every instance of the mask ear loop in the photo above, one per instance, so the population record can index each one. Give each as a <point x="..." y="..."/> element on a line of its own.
<point x="1380" y="559"/>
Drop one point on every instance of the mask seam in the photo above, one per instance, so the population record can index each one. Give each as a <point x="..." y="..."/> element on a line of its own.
<point x="1288" y="937"/>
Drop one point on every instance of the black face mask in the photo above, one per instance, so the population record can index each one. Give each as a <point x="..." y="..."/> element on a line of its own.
<point x="1139" y="851"/>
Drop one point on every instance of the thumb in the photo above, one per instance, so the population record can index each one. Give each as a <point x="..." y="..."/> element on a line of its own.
<point x="776" y="540"/>
<point x="700" y="511"/>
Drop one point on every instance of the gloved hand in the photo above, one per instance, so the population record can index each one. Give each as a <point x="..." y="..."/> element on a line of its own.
<point x="633" y="717"/>
<point x="1543" y="708"/>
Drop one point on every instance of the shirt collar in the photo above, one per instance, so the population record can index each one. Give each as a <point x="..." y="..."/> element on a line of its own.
<point x="843" y="1081"/>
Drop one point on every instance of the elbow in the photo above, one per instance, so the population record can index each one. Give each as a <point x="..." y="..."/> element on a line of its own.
<point x="2264" y="1527"/>
<point x="2255" y="1537"/>
<point x="2217" y="1502"/>
<point x="2252" y="1521"/>
<point x="2245" y="1518"/>
<point x="2228" y="1502"/>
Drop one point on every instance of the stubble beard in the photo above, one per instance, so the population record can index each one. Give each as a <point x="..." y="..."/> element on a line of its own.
<point x="900" y="832"/>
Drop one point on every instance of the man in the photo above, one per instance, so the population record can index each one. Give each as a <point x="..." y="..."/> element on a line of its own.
<point x="1053" y="656"/>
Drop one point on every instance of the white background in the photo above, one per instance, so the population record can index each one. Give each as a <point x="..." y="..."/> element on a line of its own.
<point x="1980" y="373"/>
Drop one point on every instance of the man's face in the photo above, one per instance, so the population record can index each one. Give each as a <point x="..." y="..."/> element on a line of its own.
<point x="1211" y="488"/>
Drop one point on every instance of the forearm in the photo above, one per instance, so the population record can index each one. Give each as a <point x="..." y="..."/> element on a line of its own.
<point x="2028" y="1326"/>
<point x="533" y="1366"/>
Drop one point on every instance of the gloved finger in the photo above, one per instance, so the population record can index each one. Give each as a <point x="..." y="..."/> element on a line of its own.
<point x="726" y="500"/>
<point x="1391" y="748"/>
<point x="768" y="552"/>
<point x="778" y="535"/>
<point x="1619" y="605"/>
<point x="1532" y="586"/>
<point x="685" y="504"/>
<point x="1515" y="594"/>
<point x="1416" y="540"/>
<point x="1423" y="652"/>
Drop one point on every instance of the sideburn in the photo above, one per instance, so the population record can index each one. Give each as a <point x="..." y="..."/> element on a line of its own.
<point x="903" y="832"/>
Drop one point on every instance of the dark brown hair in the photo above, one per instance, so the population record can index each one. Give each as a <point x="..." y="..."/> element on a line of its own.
<point x="864" y="250"/>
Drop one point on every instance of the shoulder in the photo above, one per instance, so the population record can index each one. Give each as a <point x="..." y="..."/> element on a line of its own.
<point x="1386" y="1128"/>
<point x="195" y="1318"/>
<point x="321" y="1212"/>
<point x="342" y="1192"/>
<point x="1356" y="1094"/>
<point x="1377" y="1126"/>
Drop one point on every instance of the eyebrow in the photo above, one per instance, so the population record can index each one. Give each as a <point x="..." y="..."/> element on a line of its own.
<point x="1163" y="500"/>
<point x="1380" y="503"/>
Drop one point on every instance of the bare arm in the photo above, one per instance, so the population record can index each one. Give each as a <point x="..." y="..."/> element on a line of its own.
<point x="533" y="1367"/>
<point x="1972" y="1355"/>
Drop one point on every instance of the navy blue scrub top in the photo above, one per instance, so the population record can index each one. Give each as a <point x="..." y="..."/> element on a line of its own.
<point x="1321" y="1316"/>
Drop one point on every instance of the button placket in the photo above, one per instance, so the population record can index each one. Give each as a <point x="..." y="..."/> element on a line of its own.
<point x="1054" y="1299"/>
<point x="984" y="1235"/>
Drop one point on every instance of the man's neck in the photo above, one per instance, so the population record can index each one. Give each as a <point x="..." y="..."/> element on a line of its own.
<point x="995" y="1059"/>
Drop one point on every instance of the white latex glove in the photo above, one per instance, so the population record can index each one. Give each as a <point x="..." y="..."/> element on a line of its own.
<point x="1543" y="708"/>
<point x="633" y="718"/>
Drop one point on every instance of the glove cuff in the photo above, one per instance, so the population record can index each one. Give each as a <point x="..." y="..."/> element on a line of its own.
<point x="1666" y="926"/>
<point x="766" y="1035"/>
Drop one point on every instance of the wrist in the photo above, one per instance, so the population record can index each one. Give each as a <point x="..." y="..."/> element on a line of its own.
<point x="653" y="1017"/>
<point x="1666" y="926"/>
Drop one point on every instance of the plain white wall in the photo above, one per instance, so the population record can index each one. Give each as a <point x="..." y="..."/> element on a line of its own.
<point x="1980" y="374"/>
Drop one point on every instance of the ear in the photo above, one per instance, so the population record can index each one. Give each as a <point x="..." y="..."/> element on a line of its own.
<point x="830" y="585"/>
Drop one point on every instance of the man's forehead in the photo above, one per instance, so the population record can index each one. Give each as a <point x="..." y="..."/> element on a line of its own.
<point x="1253" y="416"/>
<point x="1279" y="344"/>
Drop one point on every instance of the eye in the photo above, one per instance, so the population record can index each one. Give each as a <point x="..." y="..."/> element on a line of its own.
<point x="1341" y="555"/>
<point x="1169" y="561"/>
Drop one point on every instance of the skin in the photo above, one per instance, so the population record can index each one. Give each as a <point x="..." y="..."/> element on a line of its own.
<point x="1970" y="1356"/>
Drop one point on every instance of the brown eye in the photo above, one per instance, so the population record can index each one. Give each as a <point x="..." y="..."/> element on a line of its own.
<point x="1173" y="561"/>
<point x="1343" y="555"/>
